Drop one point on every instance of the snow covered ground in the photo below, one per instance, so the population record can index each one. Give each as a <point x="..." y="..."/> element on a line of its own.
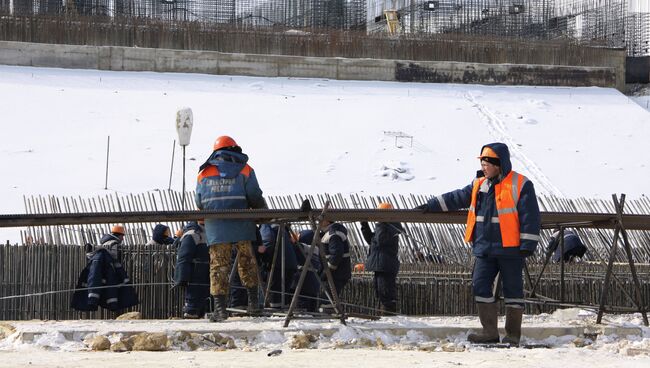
<point x="309" y="136"/>
<point x="643" y="101"/>
<point x="405" y="341"/>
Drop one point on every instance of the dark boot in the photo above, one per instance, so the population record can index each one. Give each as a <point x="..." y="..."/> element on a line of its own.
<point x="488" y="314"/>
<point x="253" y="302"/>
<point x="390" y="309"/>
<point x="219" y="312"/>
<point x="513" y="326"/>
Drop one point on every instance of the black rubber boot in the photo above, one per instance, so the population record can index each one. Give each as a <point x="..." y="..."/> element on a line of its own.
<point x="219" y="312"/>
<point x="390" y="309"/>
<point x="253" y="302"/>
<point x="488" y="314"/>
<point x="513" y="326"/>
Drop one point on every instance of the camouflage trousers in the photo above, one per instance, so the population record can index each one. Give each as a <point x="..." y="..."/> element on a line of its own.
<point x="220" y="266"/>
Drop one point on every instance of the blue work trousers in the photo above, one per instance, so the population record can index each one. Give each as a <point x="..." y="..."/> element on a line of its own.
<point x="485" y="272"/>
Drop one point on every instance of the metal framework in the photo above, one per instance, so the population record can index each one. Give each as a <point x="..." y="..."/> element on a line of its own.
<point x="613" y="23"/>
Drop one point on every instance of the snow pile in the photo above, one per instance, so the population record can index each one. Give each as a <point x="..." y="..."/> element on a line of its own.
<point x="396" y="170"/>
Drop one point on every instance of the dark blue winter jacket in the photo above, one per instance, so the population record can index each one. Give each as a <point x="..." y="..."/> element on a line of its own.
<point x="192" y="259"/>
<point x="311" y="285"/>
<point x="193" y="267"/>
<point x="159" y="236"/>
<point x="112" y="244"/>
<point x="103" y="270"/>
<point x="384" y="244"/>
<point x="573" y="247"/>
<point x="487" y="234"/>
<point x="269" y="239"/>
<point x="226" y="181"/>
<point x="337" y="251"/>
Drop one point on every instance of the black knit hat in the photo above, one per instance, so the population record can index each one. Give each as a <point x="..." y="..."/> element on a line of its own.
<point x="493" y="160"/>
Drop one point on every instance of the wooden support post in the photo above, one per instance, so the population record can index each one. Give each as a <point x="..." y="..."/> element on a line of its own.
<point x="628" y="250"/>
<point x="620" y="229"/>
<point x="303" y="274"/>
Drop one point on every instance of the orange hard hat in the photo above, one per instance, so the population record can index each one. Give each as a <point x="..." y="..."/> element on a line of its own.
<point x="223" y="142"/>
<point x="359" y="267"/>
<point x="488" y="152"/>
<point x="118" y="229"/>
<point x="385" y="206"/>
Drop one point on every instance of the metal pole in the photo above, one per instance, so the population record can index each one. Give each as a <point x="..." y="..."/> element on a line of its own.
<point x="183" y="196"/>
<point x="561" y="264"/>
<point x="171" y="170"/>
<point x="282" y="269"/>
<point x="108" y="150"/>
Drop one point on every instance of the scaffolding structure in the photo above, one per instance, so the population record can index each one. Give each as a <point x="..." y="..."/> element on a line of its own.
<point x="637" y="35"/>
<point x="330" y="14"/>
<point x="612" y="23"/>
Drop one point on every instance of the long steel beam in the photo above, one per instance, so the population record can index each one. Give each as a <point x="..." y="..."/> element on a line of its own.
<point x="549" y="219"/>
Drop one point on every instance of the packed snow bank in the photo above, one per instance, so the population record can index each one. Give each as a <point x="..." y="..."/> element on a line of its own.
<point x="621" y="335"/>
<point x="309" y="136"/>
<point x="643" y="101"/>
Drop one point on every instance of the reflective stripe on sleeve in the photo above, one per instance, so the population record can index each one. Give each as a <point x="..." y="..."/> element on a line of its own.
<point x="525" y="236"/>
<point x="442" y="202"/>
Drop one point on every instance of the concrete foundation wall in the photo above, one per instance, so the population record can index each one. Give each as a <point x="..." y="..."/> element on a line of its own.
<point x="212" y="62"/>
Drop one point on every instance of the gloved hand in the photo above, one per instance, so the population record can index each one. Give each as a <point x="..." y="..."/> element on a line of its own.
<point x="305" y="206"/>
<point x="525" y="252"/>
<point x="364" y="224"/>
<point x="423" y="207"/>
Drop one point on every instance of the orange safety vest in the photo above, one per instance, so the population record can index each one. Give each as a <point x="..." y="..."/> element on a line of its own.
<point x="506" y="193"/>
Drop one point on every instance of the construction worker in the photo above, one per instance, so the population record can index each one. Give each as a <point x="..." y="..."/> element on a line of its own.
<point x="382" y="259"/>
<point x="112" y="242"/>
<point x="161" y="236"/>
<point x="573" y="247"/>
<point x="311" y="285"/>
<point x="104" y="268"/>
<point x="337" y="252"/>
<point x="503" y="226"/>
<point x="286" y="254"/>
<point x="226" y="181"/>
<point x="192" y="271"/>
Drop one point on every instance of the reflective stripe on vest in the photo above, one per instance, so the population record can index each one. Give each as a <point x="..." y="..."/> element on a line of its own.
<point x="506" y="194"/>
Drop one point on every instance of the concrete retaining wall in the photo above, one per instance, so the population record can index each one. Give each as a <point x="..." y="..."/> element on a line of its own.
<point x="212" y="62"/>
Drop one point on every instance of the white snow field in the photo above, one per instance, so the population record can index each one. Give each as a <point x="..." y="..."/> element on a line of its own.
<point x="643" y="101"/>
<point x="313" y="136"/>
<point x="308" y="135"/>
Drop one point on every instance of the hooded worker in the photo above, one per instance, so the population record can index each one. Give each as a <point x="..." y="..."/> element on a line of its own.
<point x="383" y="259"/>
<point x="503" y="224"/>
<point x="226" y="181"/>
